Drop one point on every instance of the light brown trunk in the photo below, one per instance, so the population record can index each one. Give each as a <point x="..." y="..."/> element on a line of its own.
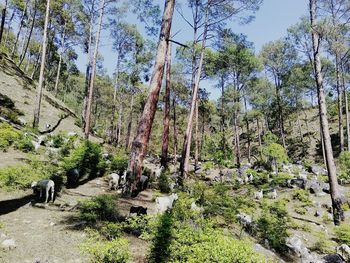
<point x="140" y="143"/>
<point x="3" y="18"/>
<point x="340" y="106"/>
<point x="236" y="131"/>
<point x="338" y="213"/>
<point x="128" y="136"/>
<point x="196" y="137"/>
<point x="93" y="72"/>
<point x="60" y="60"/>
<point x="345" y="90"/>
<point x="185" y="158"/>
<point x="166" y="117"/>
<point x="175" y="129"/>
<point x="39" y="90"/>
<point x="119" y="125"/>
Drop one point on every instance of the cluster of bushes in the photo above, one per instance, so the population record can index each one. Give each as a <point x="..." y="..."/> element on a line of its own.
<point x="344" y="164"/>
<point x="8" y="135"/>
<point x="119" y="162"/>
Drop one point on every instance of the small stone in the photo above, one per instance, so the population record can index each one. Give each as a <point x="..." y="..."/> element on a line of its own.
<point x="52" y="224"/>
<point x="8" y="244"/>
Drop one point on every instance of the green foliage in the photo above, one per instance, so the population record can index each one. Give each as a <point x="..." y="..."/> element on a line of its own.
<point x="280" y="179"/>
<point x="342" y="234"/>
<point x="300" y="210"/>
<point x="111" y="230"/>
<point x="8" y="135"/>
<point x="164" y="181"/>
<point x="302" y="195"/>
<point x="276" y="153"/>
<point x="107" y="251"/>
<point x="99" y="208"/>
<point x="140" y="226"/>
<point x="273" y="224"/>
<point x="207" y="166"/>
<point x="86" y="157"/>
<point x="270" y="138"/>
<point x="19" y="176"/>
<point x="323" y="245"/>
<point x="120" y="162"/>
<point x="58" y="140"/>
<point x="344" y="164"/>
<point x="24" y="144"/>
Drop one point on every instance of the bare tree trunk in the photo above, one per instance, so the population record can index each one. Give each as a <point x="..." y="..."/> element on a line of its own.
<point x="280" y="114"/>
<point x="140" y="143"/>
<point x="340" y="106"/>
<point x="236" y="131"/>
<point x="338" y="213"/>
<point x="166" y="117"/>
<point x="9" y="27"/>
<point x="88" y="67"/>
<point x="20" y="29"/>
<point x="175" y="129"/>
<point x="93" y="73"/>
<point x="345" y="90"/>
<point x="248" y="129"/>
<point x="128" y="136"/>
<point x="23" y="55"/>
<point x="119" y="125"/>
<point x="60" y="60"/>
<point x="113" y="134"/>
<point x="42" y="69"/>
<point x="196" y="137"/>
<point x="3" y="18"/>
<point x="185" y="158"/>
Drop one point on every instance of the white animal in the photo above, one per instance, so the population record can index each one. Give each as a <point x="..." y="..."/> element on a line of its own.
<point x="246" y="179"/>
<point x="71" y="133"/>
<point x="258" y="195"/>
<point x="273" y="194"/>
<point x="250" y="178"/>
<point x="113" y="181"/>
<point x="163" y="203"/>
<point x="44" y="185"/>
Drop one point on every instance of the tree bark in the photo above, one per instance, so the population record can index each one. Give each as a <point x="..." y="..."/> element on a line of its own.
<point x="345" y="90"/>
<point x="3" y="18"/>
<point x="113" y="134"/>
<point x="128" y="136"/>
<point x="29" y="37"/>
<point x="236" y="131"/>
<point x="19" y="29"/>
<point x="140" y="143"/>
<point x="60" y="60"/>
<point x="175" y="129"/>
<point x="338" y="213"/>
<point x="340" y="106"/>
<point x="42" y="69"/>
<point x="119" y="125"/>
<point x="93" y="73"/>
<point x="196" y="137"/>
<point x="166" y="117"/>
<point x="185" y="158"/>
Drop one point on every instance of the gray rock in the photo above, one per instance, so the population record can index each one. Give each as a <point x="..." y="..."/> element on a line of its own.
<point x="344" y="251"/>
<point x="318" y="213"/>
<point x="318" y="170"/>
<point x="297" y="248"/>
<point x="314" y="186"/>
<point x="245" y="220"/>
<point x="333" y="258"/>
<point x="8" y="244"/>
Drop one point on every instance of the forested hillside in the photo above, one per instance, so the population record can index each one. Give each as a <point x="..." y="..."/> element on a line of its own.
<point x="154" y="131"/>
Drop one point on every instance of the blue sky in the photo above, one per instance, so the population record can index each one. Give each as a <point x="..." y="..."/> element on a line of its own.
<point x="270" y="23"/>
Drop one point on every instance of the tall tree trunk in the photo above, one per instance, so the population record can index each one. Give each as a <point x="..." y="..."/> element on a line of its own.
<point x="93" y="72"/>
<point x="114" y="106"/>
<point x="280" y="114"/>
<point x="340" y="106"/>
<point x="222" y="121"/>
<point x="185" y="158"/>
<point x="119" y="125"/>
<point x="166" y="117"/>
<point x="196" y="137"/>
<point x="175" y="129"/>
<point x="42" y="69"/>
<point x="19" y="29"/>
<point x="88" y="67"/>
<point x="236" y="131"/>
<point x="248" y="129"/>
<point x="3" y="18"/>
<point x="338" y="213"/>
<point x="9" y="27"/>
<point x="23" y="55"/>
<point x="140" y="143"/>
<point x="128" y="136"/>
<point x="345" y="90"/>
<point x="60" y="59"/>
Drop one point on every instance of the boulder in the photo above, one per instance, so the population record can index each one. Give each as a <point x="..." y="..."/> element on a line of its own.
<point x="299" y="251"/>
<point x="333" y="258"/>
<point x="344" y="251"/>
<point x="8" y="244"/>
<point x="318" y="170"/>
<point x="314" y="186"/>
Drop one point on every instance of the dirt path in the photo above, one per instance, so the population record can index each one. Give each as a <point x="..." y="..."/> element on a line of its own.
<point x="45" y="233"/>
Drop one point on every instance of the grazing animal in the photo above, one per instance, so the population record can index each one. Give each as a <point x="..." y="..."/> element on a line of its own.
<point x="258" y="195"/>
<point x="44" y="185"/>
<point x="143" y="182"/>
<point x="47" y="126"/>
<point x="250" y="178"/>
<point x="163" y="203"/>
<point x="71" y="133"/>
<point x="113" y="181"/>
<point x="138" y="210"/>
<point x="273" y="194"/>
<point x="73" y="176"/>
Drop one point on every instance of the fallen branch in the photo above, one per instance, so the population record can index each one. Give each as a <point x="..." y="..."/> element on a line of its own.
<point x="55" y="126"/>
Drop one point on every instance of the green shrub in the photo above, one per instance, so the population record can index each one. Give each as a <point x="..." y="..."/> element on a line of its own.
<point x="111" y="230"/>
<point x="302" y="195"/>
<point x="99" y="208"/>
<point x="24" y="144"/>
<point x="58" y="140"/>
<point x="280" y="179"/>
<point x="164" y="181"/>
<point x="207" y="166"/>
<point x="300" y="210"/>
<point x="322" y="245"/>
<point x="120" y="162"/>
<point x="8" y="135"/>
<point x="140" y="226"/>
<point x="19" y="176"/>
<point x="107" y="251"/>
<point x="344" y="164"/>
<point x="86" y="157"/>
<point x="273" y="224"/>
<point x="343" y="234"/>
